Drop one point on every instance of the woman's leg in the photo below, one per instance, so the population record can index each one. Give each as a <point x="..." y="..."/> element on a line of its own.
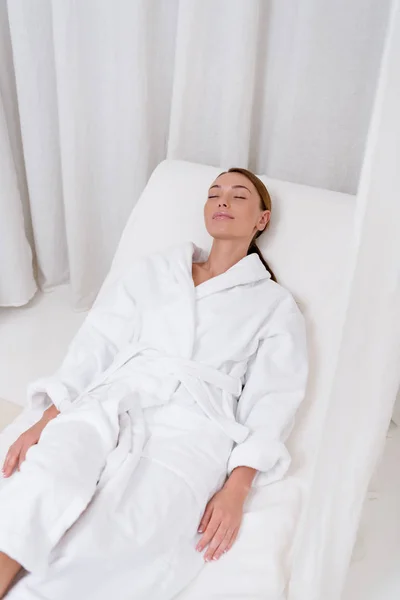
<point x="9" y="569"/>
<point x="54" y="485"/>
<point x="138" y="534"/>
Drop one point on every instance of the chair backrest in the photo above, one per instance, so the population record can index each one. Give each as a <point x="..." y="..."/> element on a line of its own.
<point x="306" y="243"/>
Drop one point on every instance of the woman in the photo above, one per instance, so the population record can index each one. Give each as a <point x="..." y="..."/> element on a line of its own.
<point x="174" y="399"/>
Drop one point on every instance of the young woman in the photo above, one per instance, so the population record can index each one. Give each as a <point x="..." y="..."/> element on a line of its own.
<point x="174" y="399"/>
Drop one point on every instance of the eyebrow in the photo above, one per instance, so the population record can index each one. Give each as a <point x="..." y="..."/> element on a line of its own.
<point x="234" y="186"/>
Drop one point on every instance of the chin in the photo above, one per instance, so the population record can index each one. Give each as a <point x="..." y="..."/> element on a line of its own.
<point x="221" y="235"/>
<point x="220" y="231"/>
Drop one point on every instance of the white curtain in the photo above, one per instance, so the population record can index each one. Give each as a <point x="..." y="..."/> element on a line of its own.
<point x="100" y="91"/>
<point x="17" y="283"/>
<point x="366" y="373"/>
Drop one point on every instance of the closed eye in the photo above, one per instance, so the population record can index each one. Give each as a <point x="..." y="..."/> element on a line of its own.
<point x="241" y="197"/>
<point x="213" y="196"/>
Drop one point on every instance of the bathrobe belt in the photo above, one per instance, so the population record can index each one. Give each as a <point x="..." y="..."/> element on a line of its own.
<point x="196" y="378"/>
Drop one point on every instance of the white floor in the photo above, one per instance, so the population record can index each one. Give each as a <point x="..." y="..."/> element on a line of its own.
<point x="33" y="340"/>
<point x="376" y="575"/>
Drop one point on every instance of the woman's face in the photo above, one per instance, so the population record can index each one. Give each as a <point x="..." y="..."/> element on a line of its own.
<point x="233" y="209"/>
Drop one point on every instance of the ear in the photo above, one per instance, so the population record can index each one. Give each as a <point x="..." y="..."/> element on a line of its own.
<point x="263" y="220"/>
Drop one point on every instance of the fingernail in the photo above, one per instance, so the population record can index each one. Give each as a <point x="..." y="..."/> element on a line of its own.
<point x="200" y="530"/>
<point x="215" y="557"/>
<point x="198" y="548"/>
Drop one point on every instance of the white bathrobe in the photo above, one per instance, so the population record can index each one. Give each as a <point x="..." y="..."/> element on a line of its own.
<point x="165" y="389"/>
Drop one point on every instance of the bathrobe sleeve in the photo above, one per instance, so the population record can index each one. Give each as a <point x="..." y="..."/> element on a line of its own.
<point x="274" y="387"/>
<point x="108" y="326"/>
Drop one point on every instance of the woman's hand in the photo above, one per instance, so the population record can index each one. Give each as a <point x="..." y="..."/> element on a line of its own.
<point x="17" y="451"/>
<point x="223" y="514"/>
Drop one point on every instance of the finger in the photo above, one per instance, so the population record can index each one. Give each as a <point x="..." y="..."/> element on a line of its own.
<point x="205" y="518"/>
<point x="9" y="454"/>
<point x="215" y="542"/>
<point x="22" y="454"/>
<point x="8" y="458"/>
<point x="208" y="534"/>
<point x="232" y="540"/>
<point x="4" y="467"/>
<point x="11" y="462"/>
<point x="219" y="551"/>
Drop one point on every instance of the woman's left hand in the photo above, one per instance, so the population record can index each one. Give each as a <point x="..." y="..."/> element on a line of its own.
<point x="221" y="522"/>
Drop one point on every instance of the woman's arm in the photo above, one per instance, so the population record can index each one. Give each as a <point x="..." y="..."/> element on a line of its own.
<point x="275" y="386"/>
<point x="108" y="326"/>
<point x="17" y="452"/>
<point x="240" y="481"/>
<point x="50" y="413"/>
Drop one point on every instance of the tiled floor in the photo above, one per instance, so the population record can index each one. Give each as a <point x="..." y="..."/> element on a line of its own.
<point x="33" y="340"/>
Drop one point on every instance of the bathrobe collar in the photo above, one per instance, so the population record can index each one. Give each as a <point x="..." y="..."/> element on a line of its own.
<point x="248" y="270"/>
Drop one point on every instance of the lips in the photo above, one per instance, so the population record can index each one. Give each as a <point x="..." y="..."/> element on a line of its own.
<point x="222" y="216"/>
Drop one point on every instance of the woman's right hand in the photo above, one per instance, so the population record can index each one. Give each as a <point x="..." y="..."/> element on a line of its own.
<point x="17" y="451"/>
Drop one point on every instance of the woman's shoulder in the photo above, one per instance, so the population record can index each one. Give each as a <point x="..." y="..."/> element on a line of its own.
<point x="280" y="295"/>
<point x="282" y="311"/>
<point x="170" y="252"/>
<point x="159" y="255"/>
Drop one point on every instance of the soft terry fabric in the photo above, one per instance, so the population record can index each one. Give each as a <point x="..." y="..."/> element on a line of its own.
<point x="164" y="390"/>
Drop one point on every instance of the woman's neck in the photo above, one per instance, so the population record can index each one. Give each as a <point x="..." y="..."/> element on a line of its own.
<point x="224" y="254"/>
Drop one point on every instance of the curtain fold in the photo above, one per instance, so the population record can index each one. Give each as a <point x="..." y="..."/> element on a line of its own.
<point x="106" y="90"/>
<point x="35" y="73"/>
<point x="365" y="368"/>
<point x="17" y="283"/>
<point x="214" y="81"/>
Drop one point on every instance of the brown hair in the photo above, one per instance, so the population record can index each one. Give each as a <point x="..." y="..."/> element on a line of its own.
<point x="265" y="204"/>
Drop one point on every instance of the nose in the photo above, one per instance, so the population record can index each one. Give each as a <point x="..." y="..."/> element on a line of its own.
<point x="223" y="202"/>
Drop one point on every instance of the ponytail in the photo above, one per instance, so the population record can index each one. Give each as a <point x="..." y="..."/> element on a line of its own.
<point x="254" y="249"/>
